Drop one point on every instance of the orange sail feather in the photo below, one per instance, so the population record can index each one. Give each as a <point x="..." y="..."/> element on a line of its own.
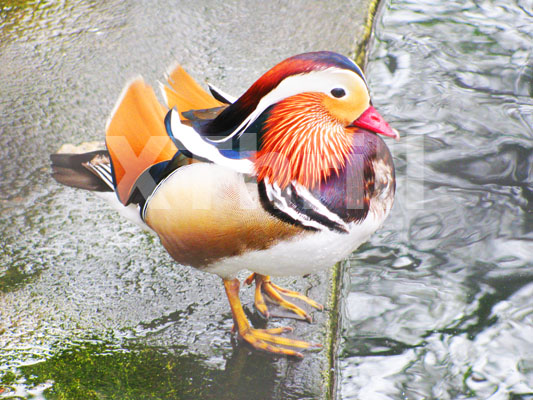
<point x="136" y="137"/>
<point x="186" y="94"/>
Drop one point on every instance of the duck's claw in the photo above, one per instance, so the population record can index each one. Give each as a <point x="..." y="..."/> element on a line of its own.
<point x="274" y="293"/>
<point x="269" y="340"/>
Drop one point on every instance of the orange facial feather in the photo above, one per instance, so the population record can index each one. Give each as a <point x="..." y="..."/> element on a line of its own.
<point x="303" y="142"/>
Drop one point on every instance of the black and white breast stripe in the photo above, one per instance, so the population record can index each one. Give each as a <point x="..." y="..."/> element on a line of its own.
<point x="295" y="204"/>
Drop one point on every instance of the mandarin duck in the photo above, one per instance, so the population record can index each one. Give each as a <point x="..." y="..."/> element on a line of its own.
<point x="287" y="179"/>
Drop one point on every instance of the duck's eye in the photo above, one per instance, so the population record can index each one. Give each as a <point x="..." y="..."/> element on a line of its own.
<point x="338" y="92"/>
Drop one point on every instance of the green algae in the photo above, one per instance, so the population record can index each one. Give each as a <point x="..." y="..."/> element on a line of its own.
<point x="100" y="370"/>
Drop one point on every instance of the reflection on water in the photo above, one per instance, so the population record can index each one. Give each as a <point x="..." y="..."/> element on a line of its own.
<point x="438" y="305"/>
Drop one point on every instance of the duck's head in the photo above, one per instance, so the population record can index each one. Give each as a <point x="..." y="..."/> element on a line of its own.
<point x="310" y="108"/>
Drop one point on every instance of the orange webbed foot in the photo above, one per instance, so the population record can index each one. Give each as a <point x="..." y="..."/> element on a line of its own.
<point x="262" y="339"/>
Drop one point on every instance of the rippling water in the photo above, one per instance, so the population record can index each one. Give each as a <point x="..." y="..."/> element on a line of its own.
<point x="439" y="304"/>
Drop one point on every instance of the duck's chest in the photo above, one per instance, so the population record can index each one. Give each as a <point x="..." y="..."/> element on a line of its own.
<point x="302" y="254"/>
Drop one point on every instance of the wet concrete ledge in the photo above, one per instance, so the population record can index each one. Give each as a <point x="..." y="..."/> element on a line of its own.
<point x="98" y="286"/>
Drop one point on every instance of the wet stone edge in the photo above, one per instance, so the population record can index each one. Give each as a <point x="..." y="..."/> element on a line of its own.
<point x="360" y="55"/>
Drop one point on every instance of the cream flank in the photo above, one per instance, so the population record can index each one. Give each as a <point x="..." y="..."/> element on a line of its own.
<point x="208" y="217"/>
<point x="204" y="213"/>
<point x="303" y="254"/>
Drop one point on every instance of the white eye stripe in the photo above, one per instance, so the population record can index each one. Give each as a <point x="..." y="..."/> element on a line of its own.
<point x="314" y="81"/>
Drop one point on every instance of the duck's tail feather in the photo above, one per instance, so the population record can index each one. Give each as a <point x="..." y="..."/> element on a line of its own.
<point x="92" y="171"/>
<point x="89" y="171"/>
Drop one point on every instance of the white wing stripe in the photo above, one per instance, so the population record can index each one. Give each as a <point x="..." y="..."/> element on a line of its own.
<point x="104" y="172"/>
<point x="194" y="143"/>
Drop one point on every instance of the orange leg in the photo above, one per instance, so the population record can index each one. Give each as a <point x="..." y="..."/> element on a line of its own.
<point x="274" y="292"/>
<point x="262" y="339"/>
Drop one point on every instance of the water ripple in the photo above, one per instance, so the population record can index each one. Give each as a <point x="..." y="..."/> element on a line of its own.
<point x="456" y="78"/>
